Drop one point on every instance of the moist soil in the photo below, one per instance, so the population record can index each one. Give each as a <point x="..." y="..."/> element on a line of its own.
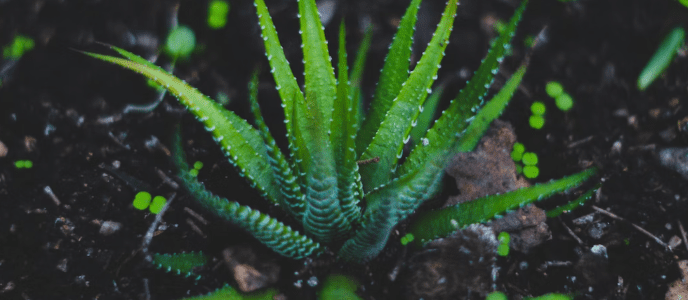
<point x="63" y="111"/>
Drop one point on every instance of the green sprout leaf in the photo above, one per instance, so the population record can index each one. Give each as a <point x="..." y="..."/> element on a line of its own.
<point x="217" y="14"/>
<point x="142" y="200"/>
<point x="554" y="89"/>
<point x="496" y="296"/>
<point x="157" y="204"/>
<point x="662" y="57"/>
<point x="530" y="159"/>
<point x="20" y="45"/>
<point x="538" y="108"/>
<point x="180" y="42"/>
<point x="536" y="121"/>
<point x="531" y="171"/>
<point x="337" y="286"/>
<point x="564" y="102"/>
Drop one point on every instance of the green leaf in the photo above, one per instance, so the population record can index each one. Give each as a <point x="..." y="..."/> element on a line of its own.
<point x="274" y="234"/>
<point x="662" y="57"/>
<point x="453" y="121"/>
<point x="573" y="204"/>
<point x="287" y="87"/>
<point x="343" y="136"/>
<point x="394" y="73"/>
<point x="395" y="128"/>
<point x="180" y="263"/>
<point x="293" y="200"/>
<point x="339" y="287"/>
<point x="489" y="112"/>
<point x="240" y="142"/>
<point x="439" y="223"/>
<point x="426" y="116"/>
<point x="229" y="293"/>
<point x="357" y="74"/>
<point x="319" y="75"/>
<point x="269" y="231"/>
<point x="391" y="204"/>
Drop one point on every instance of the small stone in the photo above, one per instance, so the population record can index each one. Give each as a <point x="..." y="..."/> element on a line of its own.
<point x="3" y="149"/>
<point x="110" y="227"/>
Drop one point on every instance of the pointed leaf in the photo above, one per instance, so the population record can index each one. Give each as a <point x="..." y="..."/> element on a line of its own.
<point x="320" y="81"/>
<point x="394" y="73"/>
<point x="293" y="200"/>
<point x="356" y="75"/>
<point x="343" y="137"/>
<point x="439" y="223"/>
<point x="287" y="87"/>
<point x="454" y="120"/>
<point x="389" y="140"/>
<point x="489" y="112"/>
<point x="240" y="142"/>
<point x="427" y="115"/>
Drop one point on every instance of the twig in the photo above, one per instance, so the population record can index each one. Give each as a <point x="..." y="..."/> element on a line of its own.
<point x="683" y="234"/>
<point x="151" y="230"/>
<point x="580" y="242"/>
<point x="613" y="216"/>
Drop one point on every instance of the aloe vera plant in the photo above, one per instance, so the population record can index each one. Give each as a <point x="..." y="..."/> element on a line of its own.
<point x="343" y="182"/>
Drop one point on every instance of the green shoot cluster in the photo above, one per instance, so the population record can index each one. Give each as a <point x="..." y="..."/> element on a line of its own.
<point x="537" y="119"/>
<point x="217" y="14"/>
<point x="529" y="160"/>
<point x="197" y="167"/>
<point x="407" y="239"/>
<point x="23" y="164"/>
<point x="563" y="100"/>
<point x="504" y="238"/>
<point x="663" y="56"/>
<point x="180" y="42"/>
<point x="20" y="45"/>
<point x="142" y="200"/>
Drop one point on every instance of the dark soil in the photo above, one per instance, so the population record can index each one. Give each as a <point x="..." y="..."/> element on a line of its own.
<point x="62" y="110"/>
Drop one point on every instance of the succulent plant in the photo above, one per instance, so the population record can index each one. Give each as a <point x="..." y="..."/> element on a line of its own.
<point x="343" y="182"/>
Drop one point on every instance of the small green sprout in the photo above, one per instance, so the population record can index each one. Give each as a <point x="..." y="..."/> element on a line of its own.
<point x="142" y="200"/>
<point x="564" y="101"/>
<point x="531" y="171"/>
<point x="662" y="57"/>
<point x="504" y="239"/>
<point x="530" y="159"/>
<point x="538" y="108"/>
<point x="554" y="89"/>
<point x="407" y="239"/>
<point x="197" y="167"/>
<point x="20" y="45"/>
<point x="496" y="296"/>
<point x="23" y="164"/>
<point x="536" y="121"/>
<point x="217" y="14"/>
<point x="180" y="42"/>
<point x="157" y="204"/>
<point x="552" y="296"/>
<point x="517" y="152"/>
<point x="683" y="2"/>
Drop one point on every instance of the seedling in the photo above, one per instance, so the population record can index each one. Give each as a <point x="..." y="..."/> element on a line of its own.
<point x="564" y="102"/>
<point x="504" y="240"/>
<point x="407" y="239"/>
<point x="662" y="57"/>
<point x="142" y="200"/>
<point x="157" y="204"/>
<point x="180" y="42"/>
<point x="537" y="119"/>
<point x="23" y="164"/>
<point x="554" y="89"/>
<point x="217" y="14"/>
<point x="197" y="167"/>
<point x="20" y="45"/>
